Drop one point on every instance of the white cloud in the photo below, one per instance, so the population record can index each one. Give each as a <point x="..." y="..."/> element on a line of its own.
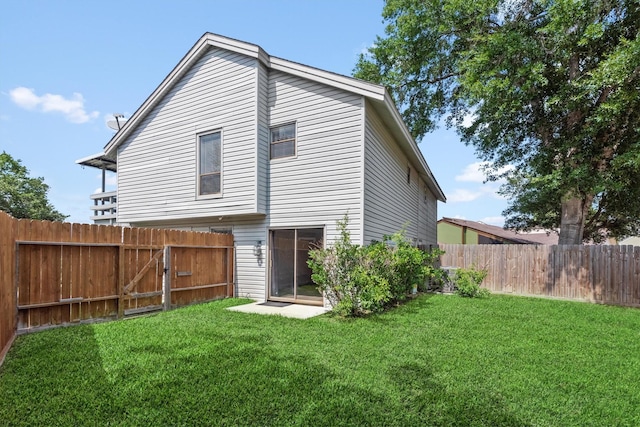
<point x="468" y="119"/>
<point x="364" y="48"/>
<point x="111" y="181"/>
<point x="493" y="220"/>
<point x="462" y="195"/>
<point x="110" y="178"/>
<point x="474" y="172"/>
<point x="468" y="195"/>
<point x="73" y="109"/>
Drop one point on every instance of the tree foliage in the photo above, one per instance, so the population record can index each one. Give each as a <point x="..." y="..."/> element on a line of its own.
<point x="552" y="88"/>
<point x="22" y="196"/>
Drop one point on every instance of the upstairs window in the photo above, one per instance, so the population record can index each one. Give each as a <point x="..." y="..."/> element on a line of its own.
<point x="283" y="141"/>
<point x="210" y="163"/>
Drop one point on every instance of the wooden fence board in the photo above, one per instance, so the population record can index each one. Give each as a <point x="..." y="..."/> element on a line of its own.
<point x="603" y="274"/>
<point x="8" y="300"/>
<point x="59" y="273"/>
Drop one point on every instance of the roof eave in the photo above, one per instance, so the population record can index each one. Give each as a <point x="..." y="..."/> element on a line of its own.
<point x="349" y="84"/>
<point x="99" y="161"/>
<point x="198" y="49"/>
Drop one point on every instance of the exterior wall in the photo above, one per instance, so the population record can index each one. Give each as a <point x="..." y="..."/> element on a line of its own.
<point x="390" y="202"/>
<point x="635" y="241"/>
<point x="454" y="234"/>
<point x="323" y="181"/>
<point x="157" y="164"/>
<point x="428" y="212"/>
<point x="470" y="237"/>
<point x="346" y="162"/>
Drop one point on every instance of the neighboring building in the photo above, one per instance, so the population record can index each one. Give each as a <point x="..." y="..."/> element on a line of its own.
<point x="459" y="231"/>
<point x="275" y="152"/>
<point x="634" y="241"/>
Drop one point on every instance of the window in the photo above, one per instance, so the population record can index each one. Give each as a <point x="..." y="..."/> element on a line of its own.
<point x="220" y="230"/>
<point x="210" y="162"/>
<point x="283" y="141"/>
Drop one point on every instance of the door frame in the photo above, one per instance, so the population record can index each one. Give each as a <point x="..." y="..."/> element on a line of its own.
<point x="270" y="248"/>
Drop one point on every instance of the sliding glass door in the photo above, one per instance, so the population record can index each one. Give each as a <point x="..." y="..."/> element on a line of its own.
<point x="290" y="275"/>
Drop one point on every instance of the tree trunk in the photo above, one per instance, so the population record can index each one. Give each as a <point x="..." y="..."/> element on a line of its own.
<point x="573" y="217"/>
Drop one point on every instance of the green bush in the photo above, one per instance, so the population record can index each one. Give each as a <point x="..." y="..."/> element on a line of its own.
<point x="361" y="279"/>
<point x="468" y="281"/>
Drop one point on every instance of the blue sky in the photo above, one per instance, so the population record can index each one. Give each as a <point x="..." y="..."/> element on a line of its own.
<point x="67" y="66"/>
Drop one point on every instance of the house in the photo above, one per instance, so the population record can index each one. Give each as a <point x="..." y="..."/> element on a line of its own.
<point x="275" y="152"/>
<point x="459" y="231"/>
<point x="631" y="240"/>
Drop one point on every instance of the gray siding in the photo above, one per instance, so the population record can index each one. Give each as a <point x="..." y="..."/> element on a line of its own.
<point x="346" y="162"/>
<point x="323" y="181"/>
<point x="157" y="164"/>
<point x="430" y="210"/>
<point x="391" y="203"/>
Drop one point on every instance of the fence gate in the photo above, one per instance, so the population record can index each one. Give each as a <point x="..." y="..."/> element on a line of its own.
<point x="197" y="274"/>
<point x="143" y="270"/>
<point x="60" y="283"/>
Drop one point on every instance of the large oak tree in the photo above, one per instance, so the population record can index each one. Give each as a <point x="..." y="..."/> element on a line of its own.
<point x="552" y="88"/>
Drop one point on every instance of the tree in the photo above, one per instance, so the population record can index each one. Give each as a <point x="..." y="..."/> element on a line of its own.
<point x="22" y="196"/>
<point x="551" y="87"/>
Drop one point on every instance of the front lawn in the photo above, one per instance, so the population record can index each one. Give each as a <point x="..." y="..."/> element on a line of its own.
<point x="438" y="360"/>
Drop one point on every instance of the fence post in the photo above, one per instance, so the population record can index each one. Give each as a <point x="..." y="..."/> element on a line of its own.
<point x="230" y="272"/>
<point x="166" y="279"/>
<point x="121" y="281"/>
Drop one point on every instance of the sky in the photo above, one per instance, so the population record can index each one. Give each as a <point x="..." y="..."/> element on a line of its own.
<point x="66" y="66"/>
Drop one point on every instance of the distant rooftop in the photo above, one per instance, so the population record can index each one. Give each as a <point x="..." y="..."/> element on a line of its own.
<point x="536" y="238"/>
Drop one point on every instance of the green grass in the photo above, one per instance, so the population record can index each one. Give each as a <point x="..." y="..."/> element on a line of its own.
<point x="438" y="360"/>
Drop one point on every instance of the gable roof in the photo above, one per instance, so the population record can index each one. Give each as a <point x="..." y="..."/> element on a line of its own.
<point x="378" y="95"/>
<point x="541" y="238"/>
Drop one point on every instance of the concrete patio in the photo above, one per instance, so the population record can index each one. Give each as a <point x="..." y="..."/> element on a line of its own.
<point x="297" y="311"/>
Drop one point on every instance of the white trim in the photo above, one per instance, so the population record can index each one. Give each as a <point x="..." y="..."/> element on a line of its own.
<point x="256" y="129"/>
<point x="349" y="84"/>
<point x="363" y="163"/>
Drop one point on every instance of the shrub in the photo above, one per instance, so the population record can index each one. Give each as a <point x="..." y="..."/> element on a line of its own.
<point x="402" y="264"/>
<point x="361" y="279"/>
<point x="468" y="281"/>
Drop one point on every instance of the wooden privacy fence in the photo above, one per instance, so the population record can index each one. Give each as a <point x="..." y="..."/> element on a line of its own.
<point x="60" y="273"/>
<point x="602" y="274"/>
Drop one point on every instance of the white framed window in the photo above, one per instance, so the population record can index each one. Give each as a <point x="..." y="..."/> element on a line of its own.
<point x="221" y="230"/>
<point x="283" y="141"/>
<point x="210" y="163"/>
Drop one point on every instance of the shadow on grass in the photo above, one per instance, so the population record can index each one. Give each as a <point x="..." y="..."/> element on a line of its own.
<point x="431" y="403"/>
<point x="61" y="383"/>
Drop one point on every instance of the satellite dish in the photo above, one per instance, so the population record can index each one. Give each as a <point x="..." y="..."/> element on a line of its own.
<point x="117" y="123"/>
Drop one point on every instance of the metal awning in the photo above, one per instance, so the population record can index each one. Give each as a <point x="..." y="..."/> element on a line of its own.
<point x="99" y="161"/>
